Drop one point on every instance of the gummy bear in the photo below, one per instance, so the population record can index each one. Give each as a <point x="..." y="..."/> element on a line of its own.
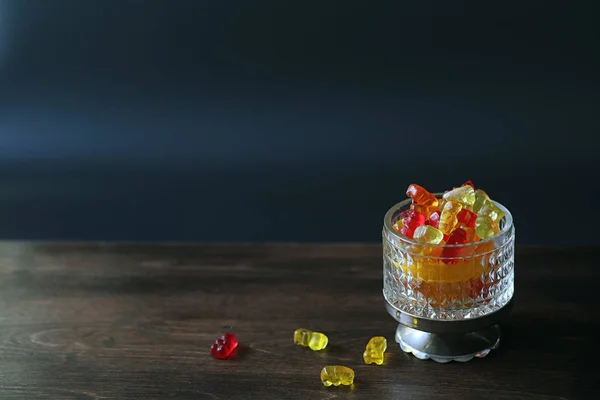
<point x="314" y="340"/>
<point x="466" y="217"/>
<point x="492" y="211"/>
<point x="425" y="210"/>
<point x="412" y="222"/>
<point x="224" y="347"/>
<point x="421" y="196"/>
<point x="449" y="254"/>
<point x="442" y="203"/>
<point x="448" y="217"/>
<point x="337" y="375"/>
<point x="471" y="234"/>
<point x="434" y="219"/>
<point x="496" y="229"/>
<point x="458" y="236"/>
<point x="406" y="231"/>
<point x="465" y="195"/>
<point x="398" y="225"/>
<point x="470" y="183"/>
<point x="428" y="234"/>
<point x="374" y="352"/>
<point x="481" y="198"/>
<point x="484" y="226"/>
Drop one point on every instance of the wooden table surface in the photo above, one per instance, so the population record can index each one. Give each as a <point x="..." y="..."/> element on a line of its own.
<point x="123" y="321"/>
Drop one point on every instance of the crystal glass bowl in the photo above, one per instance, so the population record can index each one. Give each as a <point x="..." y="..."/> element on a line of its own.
<point x="428" y="286"/>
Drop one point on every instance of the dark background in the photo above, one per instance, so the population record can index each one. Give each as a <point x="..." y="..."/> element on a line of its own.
<point x="292" y="120"/>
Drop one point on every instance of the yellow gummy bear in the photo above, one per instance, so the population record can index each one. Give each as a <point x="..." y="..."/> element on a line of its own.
<point x="448" y="218"/>
<point x="492" y="211"/>
<point x="374" y="352"/>
<point x="314" y="340"/>
<point x="481" y="198"/>
<point x="398" y="225"/>
<point x="484" y="226"/>
<point x="337" y="375"/>
<point x="428" y="234"/>
<point x="465" y="195"/>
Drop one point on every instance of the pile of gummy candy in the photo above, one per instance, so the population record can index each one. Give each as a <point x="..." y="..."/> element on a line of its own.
<point x="463" y="215"/>
<point x="226" y="348"/>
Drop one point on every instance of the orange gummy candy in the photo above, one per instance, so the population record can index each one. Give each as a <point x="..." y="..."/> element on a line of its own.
<point x="421" y="196"/>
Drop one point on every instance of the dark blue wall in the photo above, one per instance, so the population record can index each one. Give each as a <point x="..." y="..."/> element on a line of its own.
<point x="270" y="120"/>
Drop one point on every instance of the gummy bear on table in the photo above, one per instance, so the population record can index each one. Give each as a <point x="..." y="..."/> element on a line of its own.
<point x="375" y="350"/>
<point x="337" y="375"/>
<point x="314" y="340"/>
<point x="224" y="347"/>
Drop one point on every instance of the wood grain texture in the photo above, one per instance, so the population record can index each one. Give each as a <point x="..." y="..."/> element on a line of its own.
<point x="122" y="321"/>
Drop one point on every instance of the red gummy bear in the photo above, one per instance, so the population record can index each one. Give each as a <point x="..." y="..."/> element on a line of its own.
<point x="467" y="217"/>
<point x="470" y="183"/>
<point x="224" y="347"/>
<point x="406" y="231"/>
<point x="449" y="254"/>
<point x="414" y="220"/>
<point x="434" y="219"/>
<point x="411" y="222"/>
